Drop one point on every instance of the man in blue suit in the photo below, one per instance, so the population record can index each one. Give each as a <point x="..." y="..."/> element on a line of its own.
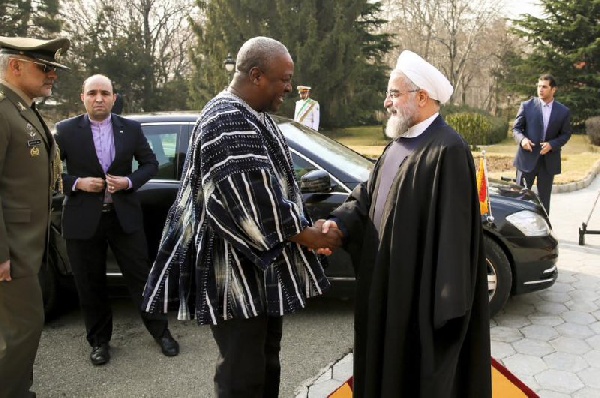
<point x="541" y="128"/>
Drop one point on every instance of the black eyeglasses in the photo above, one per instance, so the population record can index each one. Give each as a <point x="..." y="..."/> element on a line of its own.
<point x="45" y="68"/>
<point x="393" y="94"/>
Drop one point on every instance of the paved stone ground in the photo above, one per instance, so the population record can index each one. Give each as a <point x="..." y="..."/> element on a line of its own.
<point x="549" y="339"/>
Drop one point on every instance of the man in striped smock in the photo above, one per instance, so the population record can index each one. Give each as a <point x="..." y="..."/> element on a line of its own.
<point x="235" y="250"/>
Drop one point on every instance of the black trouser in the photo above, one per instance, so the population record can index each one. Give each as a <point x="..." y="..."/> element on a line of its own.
<point x="248" y="364"/>
<point x="88" y="262"/>
<point x="544" y="182"/>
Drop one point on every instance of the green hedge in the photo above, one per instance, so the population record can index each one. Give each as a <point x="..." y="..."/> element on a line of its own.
<point x="478" y="129"/>
<point x="592" y="128"/>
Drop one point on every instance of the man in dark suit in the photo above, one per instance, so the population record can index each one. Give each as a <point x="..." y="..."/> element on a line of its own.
<point x="541" y="128"/>
<point x="102" y="208"/>
<point x="27" y="156"/>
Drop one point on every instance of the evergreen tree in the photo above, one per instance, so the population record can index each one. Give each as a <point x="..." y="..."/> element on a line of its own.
<point x="31" y="18"/>
<point x="334" y="45"/>
<point x="566" y="44"/>
<point x="35" y="18"/>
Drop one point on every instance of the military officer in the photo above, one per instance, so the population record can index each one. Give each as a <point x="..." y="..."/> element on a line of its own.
<point x="27" y="152"/>
<point x="307" y="109"/>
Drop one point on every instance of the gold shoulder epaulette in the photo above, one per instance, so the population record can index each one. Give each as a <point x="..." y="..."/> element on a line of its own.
<point x="2" y="96"/>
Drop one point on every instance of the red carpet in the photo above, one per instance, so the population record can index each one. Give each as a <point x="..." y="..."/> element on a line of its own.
<point x="504" y="384"/>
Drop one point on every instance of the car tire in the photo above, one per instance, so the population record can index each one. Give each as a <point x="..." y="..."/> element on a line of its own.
<point x="499" y="275"/>
<point x="49" y="284"/>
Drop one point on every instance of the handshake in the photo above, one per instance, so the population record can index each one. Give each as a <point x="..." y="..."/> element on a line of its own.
<point x="324" y="237"/>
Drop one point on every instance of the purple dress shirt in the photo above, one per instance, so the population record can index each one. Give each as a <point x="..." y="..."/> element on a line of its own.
<point x="102" y="133"/>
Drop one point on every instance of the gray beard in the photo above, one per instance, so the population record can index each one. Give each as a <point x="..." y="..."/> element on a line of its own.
<point x="397" y="127"/>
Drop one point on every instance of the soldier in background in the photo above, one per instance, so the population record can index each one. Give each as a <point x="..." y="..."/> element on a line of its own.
<point x="307" y="109"/>
<point x="27" y="156"/>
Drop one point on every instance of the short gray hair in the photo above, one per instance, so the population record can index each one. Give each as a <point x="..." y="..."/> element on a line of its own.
<point x="4" y="59"/>
<point x="258" y="53"/>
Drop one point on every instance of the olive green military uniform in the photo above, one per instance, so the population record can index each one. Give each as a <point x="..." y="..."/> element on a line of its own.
<point x="26" y="156"/>
<point x="27" y="153"/>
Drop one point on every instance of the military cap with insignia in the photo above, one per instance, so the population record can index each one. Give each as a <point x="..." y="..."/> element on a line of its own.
<point x="47" y="52"/>
<point x="303" y="88"/>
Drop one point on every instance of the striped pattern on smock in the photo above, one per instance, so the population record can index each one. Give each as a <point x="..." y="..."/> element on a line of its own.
<point x="224" y="251"/>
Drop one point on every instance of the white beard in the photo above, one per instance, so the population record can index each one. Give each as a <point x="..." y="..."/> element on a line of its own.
<point x="397" y="126"/>
<point x="404" y="118"/>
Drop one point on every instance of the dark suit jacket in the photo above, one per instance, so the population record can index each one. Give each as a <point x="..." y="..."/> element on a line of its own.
<point x="82" y="210"/>
<point x="529" y="123"/>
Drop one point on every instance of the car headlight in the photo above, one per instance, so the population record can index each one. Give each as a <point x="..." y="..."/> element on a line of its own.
<point x="529" y="223"/>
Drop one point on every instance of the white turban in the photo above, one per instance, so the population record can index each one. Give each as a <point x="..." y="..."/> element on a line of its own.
<point x="425" y="75"/>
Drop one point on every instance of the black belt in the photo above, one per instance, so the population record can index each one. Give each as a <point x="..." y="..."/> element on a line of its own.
<point x="107" y="207"/>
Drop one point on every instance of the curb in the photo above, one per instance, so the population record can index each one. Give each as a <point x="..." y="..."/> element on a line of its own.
<point x="329" y="379"/>
<point x="574" y="186"/>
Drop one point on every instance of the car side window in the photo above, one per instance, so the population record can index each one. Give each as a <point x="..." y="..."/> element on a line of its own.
<point x="301" y="165"/>
<point x="163" y="141"/>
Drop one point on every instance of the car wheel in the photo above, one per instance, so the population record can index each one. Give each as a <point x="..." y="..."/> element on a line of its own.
<point x="49" y="283"/>
<point x="499" y="275"/>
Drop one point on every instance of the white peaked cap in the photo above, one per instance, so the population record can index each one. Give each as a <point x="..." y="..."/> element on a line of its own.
<point x="425" y="75"/>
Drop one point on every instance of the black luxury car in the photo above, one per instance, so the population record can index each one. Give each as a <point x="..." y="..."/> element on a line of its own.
<point x="521" y="249"/>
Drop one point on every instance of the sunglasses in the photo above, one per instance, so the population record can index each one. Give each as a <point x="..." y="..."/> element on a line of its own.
<point x="43" y="67"/>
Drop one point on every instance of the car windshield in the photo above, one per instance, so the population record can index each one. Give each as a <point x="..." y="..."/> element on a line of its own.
<point x="330" y="150"/>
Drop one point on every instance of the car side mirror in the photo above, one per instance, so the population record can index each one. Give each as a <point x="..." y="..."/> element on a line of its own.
<point x="315" y="181"/>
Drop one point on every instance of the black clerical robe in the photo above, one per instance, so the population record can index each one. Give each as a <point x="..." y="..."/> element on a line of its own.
<point x="421" y="321"/>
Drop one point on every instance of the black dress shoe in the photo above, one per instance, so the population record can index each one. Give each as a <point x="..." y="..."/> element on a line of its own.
<point x="168" y="345"/>
<point x="100" y="354"/>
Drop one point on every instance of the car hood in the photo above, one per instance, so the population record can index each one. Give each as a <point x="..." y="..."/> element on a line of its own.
<point x="511" y="195"/>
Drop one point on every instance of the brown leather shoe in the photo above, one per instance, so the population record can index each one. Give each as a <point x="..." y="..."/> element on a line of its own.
<point x="100" y="354"/>
<point x="168" y="345"/>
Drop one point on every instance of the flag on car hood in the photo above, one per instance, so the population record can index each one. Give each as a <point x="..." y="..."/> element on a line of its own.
<point x="482" y="187"/>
